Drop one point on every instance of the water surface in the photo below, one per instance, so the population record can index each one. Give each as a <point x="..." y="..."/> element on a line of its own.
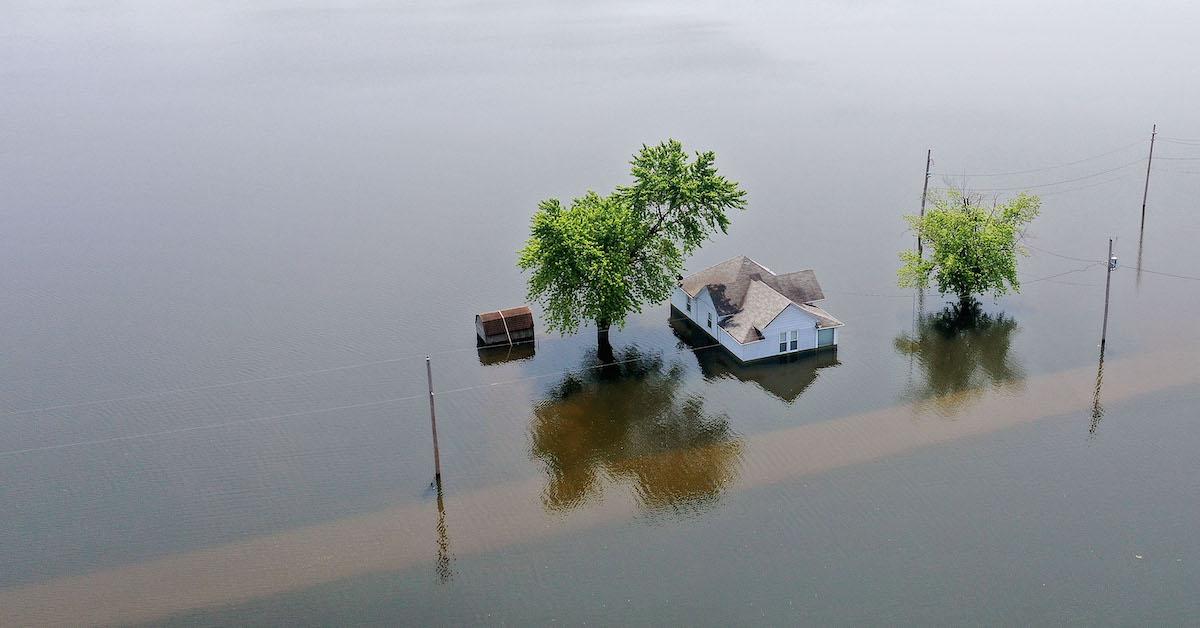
<point x="277" y="211"/>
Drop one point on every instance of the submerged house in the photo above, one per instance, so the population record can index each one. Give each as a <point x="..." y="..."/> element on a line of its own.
<point x="755" y="313"/>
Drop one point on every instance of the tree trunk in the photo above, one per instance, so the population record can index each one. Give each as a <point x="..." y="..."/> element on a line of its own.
<point x="604" y="349"/>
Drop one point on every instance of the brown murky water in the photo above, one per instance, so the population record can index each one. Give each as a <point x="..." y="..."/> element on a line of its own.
<point x="228" y="237"/>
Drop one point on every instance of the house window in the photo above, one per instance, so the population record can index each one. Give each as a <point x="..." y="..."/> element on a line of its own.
<point x="710" y="320"/>
<point x="793" y="339"/>
<point x="782" y="341"/>
<point x="689" y="304"/>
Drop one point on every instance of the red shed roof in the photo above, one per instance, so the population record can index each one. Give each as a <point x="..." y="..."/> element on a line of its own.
<point x="513" y="319"/>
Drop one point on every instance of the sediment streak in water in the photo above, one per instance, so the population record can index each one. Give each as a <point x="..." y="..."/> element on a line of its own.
<point x="493" y="517"/>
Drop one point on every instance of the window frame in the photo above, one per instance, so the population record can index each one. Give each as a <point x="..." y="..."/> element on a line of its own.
<point x="710" y="320"/>
<point x="783" y="342"/>
<point x="689" y="304"/>
<point x="793" y="340"/>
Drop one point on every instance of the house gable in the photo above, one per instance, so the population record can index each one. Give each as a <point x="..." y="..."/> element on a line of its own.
<point x="791" y="318"/>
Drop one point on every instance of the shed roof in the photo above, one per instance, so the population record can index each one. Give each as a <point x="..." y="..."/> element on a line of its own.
<point x="510" y="320"/>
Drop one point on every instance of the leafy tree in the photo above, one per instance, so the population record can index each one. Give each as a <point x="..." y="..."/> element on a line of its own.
<point x="604" y="257"/>
<point x="974" y="248"/>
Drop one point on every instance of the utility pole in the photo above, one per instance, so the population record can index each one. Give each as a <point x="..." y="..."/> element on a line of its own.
<point x="1107" y="282"/>
<point x="924" y="194"/>
<point x="437" y="459"/>
<point x="1146" y="189"/>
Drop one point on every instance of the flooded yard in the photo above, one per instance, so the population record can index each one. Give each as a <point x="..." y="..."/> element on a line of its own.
<point x="230" y="236"/>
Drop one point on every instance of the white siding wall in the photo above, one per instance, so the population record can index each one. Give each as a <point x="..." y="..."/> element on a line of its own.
<point x="679" y="300"/>
<point x="793" y="318"/>
<point x="702" y="306"/>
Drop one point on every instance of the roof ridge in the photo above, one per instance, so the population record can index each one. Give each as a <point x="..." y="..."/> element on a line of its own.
<point x="756" y="263"/>
<point x="774" y="289"/>
<point x="719" y="263"/>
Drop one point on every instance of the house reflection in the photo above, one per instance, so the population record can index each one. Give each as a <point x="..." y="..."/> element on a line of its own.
<point x="785" y="377"/>
<point x="633" y="423"/>
<point x="962" y="351"/>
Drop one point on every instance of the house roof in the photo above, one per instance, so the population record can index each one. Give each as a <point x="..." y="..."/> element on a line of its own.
<point x="516" y="319"/>
<point x="760" y="306"/>
<point x="748" y="296"/>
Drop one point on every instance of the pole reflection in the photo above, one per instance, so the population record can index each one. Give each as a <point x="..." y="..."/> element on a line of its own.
<point x="1097" y="409"/>
<point x="443" y="565"/>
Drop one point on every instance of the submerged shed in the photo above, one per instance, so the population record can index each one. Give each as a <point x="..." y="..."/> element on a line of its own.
<point x="505" y="327"/>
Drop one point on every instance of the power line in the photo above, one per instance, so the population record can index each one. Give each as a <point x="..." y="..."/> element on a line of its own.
<point x="276" y="417"/>
<point x="1068" y="272"/>
<point x="553" y="373"/>
<point x="1051" y="183"/>
<point x="1159" y="272"/>
<point x="276" y="378"/>
<point x="173" y="391"/>
<point x="196" y="428"/>
<point x="1075" y="259"/>
<point x="1044" y="168"/>
<point x="1095" y="261"/>
<point x="1178" y="140"/>
<point x="1090" y="185"/>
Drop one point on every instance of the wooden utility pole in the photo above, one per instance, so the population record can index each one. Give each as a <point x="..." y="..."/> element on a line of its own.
<point x="1149" y="160"/>
<point x="1107" y="282"/>
<point x="924" y="195"/>
<point x="437" y="458"/>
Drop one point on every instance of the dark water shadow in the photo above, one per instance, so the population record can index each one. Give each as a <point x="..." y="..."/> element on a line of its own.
<point x="785" y="377"/>
<point x="516" y="352"/>
<point x="962" y="351"/>
<point x="631" y="423"/>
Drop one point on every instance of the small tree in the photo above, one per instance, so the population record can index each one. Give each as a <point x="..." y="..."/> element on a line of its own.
<point x="604" y="257"/>
<point x="974" y="248"/>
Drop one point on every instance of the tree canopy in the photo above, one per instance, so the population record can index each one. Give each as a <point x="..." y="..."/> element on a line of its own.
<point x="974" y="248"/>
<point x="605" y="257"/>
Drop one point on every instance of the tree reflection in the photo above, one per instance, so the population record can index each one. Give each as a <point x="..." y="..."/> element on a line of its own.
<point x="962" y="351"/>
<point x="631" y="422"/>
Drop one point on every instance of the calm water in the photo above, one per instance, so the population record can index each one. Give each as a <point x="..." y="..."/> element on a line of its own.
<point x="229" y="235"/>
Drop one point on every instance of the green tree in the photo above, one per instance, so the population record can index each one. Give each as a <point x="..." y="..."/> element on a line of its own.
<point x="974" y="248"/>
<point x="604" y="257"/>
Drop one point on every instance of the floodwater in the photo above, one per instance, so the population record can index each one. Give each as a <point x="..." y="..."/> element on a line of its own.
<point x="230" y="234"/>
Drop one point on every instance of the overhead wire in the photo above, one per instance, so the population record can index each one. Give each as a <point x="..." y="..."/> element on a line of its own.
<point x="206" y="426"/>
<point x="1053" y="183"/>
<point x="1089" y="185"/>
<point x="1044" y="168"/>
<point x="289" y="415"/>
<point x="414" y="356"/>
<point x="1090" y="263"/>
<point x="1180" y="140"/>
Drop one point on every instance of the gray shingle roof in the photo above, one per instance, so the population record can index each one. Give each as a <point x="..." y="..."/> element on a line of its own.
<point x="759" y="307"/>
<point x="824" y="319"/>
<point x="751" y="296"/>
